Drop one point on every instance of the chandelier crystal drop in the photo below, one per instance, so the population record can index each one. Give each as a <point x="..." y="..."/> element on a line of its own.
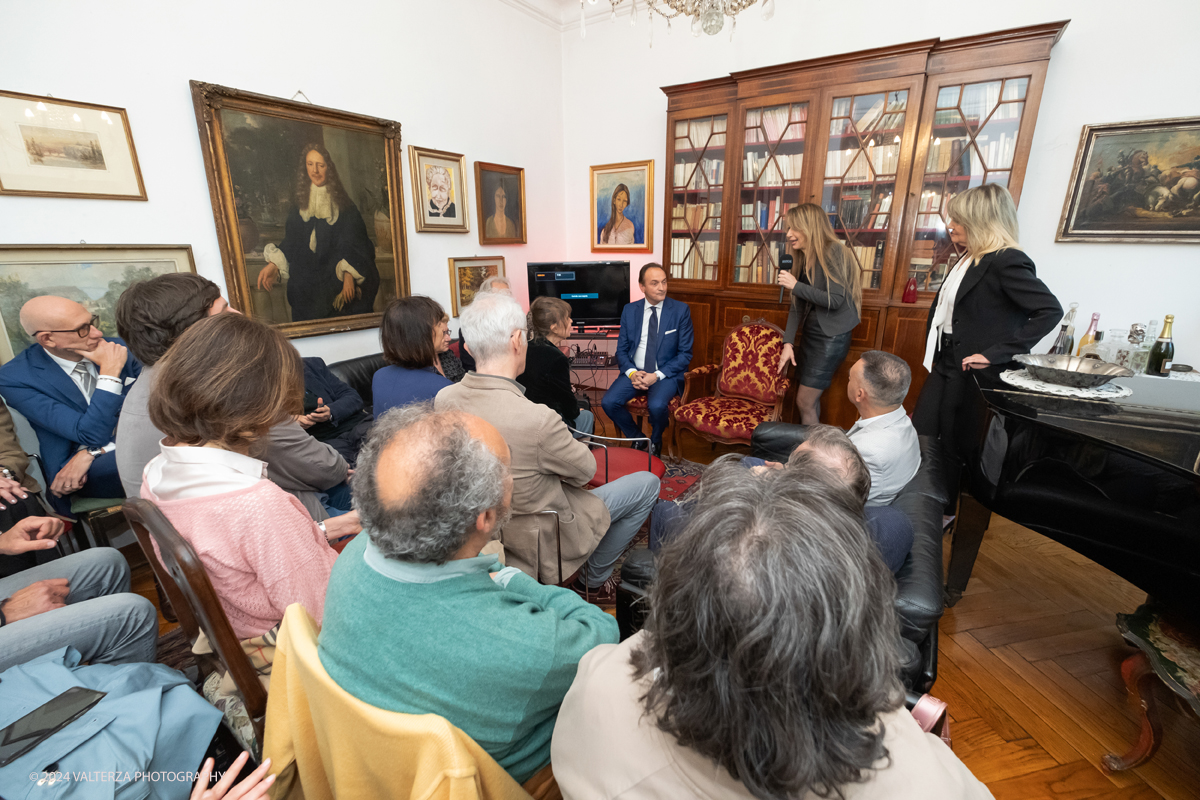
<point x="705" y="15"/>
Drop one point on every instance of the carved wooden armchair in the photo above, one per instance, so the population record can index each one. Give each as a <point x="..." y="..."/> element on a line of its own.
<point x="726" y="403"/>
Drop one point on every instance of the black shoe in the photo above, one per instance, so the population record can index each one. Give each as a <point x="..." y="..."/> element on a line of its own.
<point x="604" y="595"/>
<point x="640" y="444"/>
<point x="656" y="448"/>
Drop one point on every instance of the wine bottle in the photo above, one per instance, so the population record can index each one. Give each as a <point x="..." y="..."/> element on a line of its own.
<point x="1062" y="345"/>
<point x="1089" y="336"/>
<point x="1163" y="351"/>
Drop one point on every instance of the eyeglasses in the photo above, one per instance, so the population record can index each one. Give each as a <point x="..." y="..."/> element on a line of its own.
<point x="82" y="331"/>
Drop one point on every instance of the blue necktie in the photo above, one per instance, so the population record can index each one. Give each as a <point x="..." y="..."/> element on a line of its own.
<point x="652" y="342"/>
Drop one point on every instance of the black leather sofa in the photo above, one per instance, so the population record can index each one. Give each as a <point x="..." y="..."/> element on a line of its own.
<point x="358" y="373"/>
<point x="919" y="581"/>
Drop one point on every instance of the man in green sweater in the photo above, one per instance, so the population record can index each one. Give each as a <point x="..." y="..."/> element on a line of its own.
<point x="417" y="621"/>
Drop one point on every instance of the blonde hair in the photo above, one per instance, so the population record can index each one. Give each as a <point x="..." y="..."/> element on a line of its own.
<point x="811" y="220"/>
<point x="990" y="217"/>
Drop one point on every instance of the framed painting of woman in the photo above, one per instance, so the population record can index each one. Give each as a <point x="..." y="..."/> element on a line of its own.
<point x="623" y="207"/>
<point x="500" y="203"/>
<point x="307" y="202"/>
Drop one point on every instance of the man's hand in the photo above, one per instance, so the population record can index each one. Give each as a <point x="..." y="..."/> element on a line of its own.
<point x="788" y="356"/>
<point x="11" y="491"/>
<point x="649" y="379"/>
<point x="304" y="420"/>
<point x="267" y="276"/>
<point x="31" y="533"/>
<point x="349" y="292"/>
<point x="321" y="413"/>
<point x="73" y="475"/>
<point x="109" y="357"/>
<point x="36" y="598"/>
<point x="345" y="525"/>
<point x="639" y="380"/>
<point x="765" y="467"/>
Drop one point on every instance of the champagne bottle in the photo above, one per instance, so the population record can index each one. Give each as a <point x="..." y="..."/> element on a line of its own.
<point x="1163" y="351"/>
<point x="1062" y="345"/>
<point x="1089" y="337"/>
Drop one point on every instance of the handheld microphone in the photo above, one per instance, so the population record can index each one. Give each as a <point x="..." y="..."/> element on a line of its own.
<point x="785" y="265"/>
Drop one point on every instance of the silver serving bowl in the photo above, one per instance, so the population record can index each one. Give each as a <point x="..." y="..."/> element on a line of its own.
<point x="1082" y="373"/>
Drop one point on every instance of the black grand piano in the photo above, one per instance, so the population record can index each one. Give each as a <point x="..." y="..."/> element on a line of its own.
<point x="1115" y="480"/>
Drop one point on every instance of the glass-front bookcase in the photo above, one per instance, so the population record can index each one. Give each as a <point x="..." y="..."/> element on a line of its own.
<point x="697" y="182"/>
<point x="773" y="140"/>
<point x="977" y="132"/>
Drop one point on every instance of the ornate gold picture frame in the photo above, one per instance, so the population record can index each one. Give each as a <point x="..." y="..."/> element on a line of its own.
<point x="500" y="203"/>
<point x="622" y="203"/>
<point x="465" y="276"/>
<point x="308" y="208"/>
<point x="439" y="189"/>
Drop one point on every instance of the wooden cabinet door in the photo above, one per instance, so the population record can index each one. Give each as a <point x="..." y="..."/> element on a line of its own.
<point x="904" y="335"/>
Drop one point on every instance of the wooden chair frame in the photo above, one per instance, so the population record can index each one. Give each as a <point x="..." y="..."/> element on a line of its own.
<point x="186" y="583"/>
<point x="703" y="382"/>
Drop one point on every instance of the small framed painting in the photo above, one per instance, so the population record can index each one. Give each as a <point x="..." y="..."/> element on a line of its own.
<point x="439" y="188"/>
<point x="92" y="274"/>
<point x="61" y="148"/>
<point x="1135" y="182"/>
<point x="500" y="203"/>
<point x="465" y="276"/>
<point x="623" y="207"/>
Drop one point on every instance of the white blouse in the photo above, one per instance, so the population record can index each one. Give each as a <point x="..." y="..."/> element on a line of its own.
<point x="181" y="473"/>
<point x="944" y="313"/>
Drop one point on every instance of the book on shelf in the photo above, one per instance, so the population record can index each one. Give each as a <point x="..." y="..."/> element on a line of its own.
<point x="766" y="171"/>
<point x="879" y="214"/>
<point x="694" y="260"/>
<point x="847" y="165"/>
<point x="699" y="175"/>
<point x="757" y="262"/>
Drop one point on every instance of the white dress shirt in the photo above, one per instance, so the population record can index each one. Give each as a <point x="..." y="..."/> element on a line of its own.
<point x="182" y="473"/>
<point x="639" y="355"/>
<point x="888" y="443"/>
<point x="944" y="313"/>
<point x="105" y="383"/>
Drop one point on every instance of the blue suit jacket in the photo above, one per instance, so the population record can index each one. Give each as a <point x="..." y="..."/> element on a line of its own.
<point x="35" y="385"/>
<point x="674" y="337"/>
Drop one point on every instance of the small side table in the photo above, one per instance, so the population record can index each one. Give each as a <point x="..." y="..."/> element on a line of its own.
<point x="1168" y="650"/>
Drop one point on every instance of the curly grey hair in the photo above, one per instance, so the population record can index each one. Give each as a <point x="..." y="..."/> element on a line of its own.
<point x="770" y="644"/>
<point x="463" y="479"/>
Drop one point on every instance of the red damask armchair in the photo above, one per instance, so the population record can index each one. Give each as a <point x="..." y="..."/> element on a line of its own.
<point x="726" y="403"/>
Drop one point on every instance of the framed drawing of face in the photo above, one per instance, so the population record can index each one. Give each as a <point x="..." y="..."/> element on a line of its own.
<point x="1135" y="182"/>
<point x="60" y="148"/>
<point x="465" y="276"/>
<point x="439" y="188"/>
<point x="308" y="207"/>
<point x="92" y="274"/>
<point x="500" y="202"/>
<point x="623" y="207"/>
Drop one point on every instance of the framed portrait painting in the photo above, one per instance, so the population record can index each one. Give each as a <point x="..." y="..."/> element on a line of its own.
<point x="308" y="207"/>
<point x="623" y="207"/>
<point x="61" y="148"/>
<point x="1135" y="182"/>
<point x="465" y="276"/>
<point x="500" y="203"/>
<point x="439" y="187"/>
<point x="91" y="274"/>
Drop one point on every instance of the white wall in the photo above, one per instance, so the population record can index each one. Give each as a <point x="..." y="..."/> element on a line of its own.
<point x="614" y="111"/>
<point x="437" y="68"/>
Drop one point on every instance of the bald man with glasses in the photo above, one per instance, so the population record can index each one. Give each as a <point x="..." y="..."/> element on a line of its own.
<point x="70" y="385"/>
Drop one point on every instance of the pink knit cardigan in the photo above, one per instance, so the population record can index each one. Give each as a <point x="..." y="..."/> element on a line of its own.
<point x="261" y="550"/>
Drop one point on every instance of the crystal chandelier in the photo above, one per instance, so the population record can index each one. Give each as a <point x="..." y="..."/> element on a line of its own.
<point x="708" y="16"/>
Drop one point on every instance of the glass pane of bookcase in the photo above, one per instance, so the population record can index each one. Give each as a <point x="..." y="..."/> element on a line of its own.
<point x="860" y="174"/>
<point x="974" y="138"/>
<point x="699" y="174"/>
<point x="772" y="165"/>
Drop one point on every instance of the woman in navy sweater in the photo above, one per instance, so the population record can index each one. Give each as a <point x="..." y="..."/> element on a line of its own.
<point x="413" y="332"/>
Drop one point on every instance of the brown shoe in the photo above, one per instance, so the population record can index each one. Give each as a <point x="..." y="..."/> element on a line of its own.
<point x="604" y="595"/>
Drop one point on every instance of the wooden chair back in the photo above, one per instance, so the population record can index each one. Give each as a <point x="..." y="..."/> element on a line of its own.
<point x="174" y="596"/>
<point x="185" y="576"/>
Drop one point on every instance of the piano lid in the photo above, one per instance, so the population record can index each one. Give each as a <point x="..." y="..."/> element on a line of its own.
<point x="1160" y="421"/>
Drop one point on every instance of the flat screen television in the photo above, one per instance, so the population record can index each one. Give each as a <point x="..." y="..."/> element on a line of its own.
<point x="596" y="290"/>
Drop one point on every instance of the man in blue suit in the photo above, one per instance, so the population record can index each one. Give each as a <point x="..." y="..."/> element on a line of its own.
<point x="70" y="386"/>
<point x="653" y="351"/>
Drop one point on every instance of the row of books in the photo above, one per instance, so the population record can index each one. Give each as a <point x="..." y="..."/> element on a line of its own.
<point x="757" y="263"/>
<point x="761" y="214"/>
<point x="885" y="114"/>
<point x="688" y="174"/>
<point x="696" y="216"/>
<point x="772" y="171"/>
<point x="701" y="130"/>
<point x="694" y="260"/>
<point x="774" y="122"/>
<point x="869" y="258"/>
<point x="861" y="211"/>
<point x="853" y="164"/>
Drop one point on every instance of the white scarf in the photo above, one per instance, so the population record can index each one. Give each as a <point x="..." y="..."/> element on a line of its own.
<point x="321" y="206"/>
<point x="945" y="308"/>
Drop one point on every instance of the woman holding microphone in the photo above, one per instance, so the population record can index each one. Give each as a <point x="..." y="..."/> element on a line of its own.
<point x="990" y="307"/>
<point x="825" y="304"/>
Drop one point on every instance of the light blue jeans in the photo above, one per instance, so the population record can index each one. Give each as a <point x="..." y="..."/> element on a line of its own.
<point x="629" y="500"/>
<point x="584" y="424"/>
<point x="102" y="620"/>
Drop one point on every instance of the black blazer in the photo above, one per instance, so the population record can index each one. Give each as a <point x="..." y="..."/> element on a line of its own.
<point x="1001" y="309"/>
<point x="547" y="379"/>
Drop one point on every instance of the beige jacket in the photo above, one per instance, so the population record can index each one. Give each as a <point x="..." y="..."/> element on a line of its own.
<point x="637" y="760"/>
<point x="12" y="455"/>
<point x="548" y="467"/>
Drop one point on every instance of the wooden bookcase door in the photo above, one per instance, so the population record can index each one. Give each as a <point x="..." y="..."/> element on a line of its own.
<point x="698" y="182"/>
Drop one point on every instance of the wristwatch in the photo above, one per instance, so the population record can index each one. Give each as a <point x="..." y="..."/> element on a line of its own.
<point x="95" y="452"/>
<point x="7" y="473"/>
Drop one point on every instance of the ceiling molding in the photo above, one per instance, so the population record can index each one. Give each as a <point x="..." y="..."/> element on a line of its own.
<point x="537" y="12"/>
<point x="601" y="12"/>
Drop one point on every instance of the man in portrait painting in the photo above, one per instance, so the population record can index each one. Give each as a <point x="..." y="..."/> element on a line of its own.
<point x="326" y="255"/>
<point x="437" y="180"/>
<point x="499" y="225"/>
<point x="619" y="228"/>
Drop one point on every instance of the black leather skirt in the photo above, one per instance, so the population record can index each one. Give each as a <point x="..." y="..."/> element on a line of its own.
<point x="818" y="356"/>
